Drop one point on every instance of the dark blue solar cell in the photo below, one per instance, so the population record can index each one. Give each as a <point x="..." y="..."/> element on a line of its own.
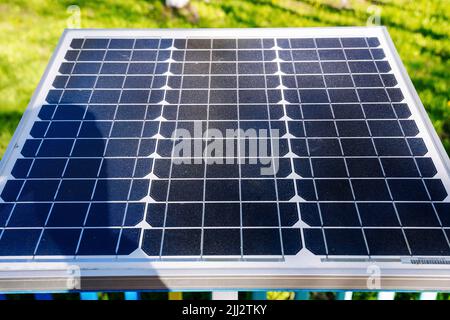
<point x="378" y="111"/>
<point x="358" y="54"/>
<point x="222" y="214"/>
<point x="370" y="190"/>
<point x="339" y="215"/>
<point x="292" y="241"/>
<point x="345" y="242"/>
<point x="372" y="95"/>
<point x="310" y="214"/>
<point x="5" y="211"/>
<point x="224" y="43"/>
<point x="383" y="66"/>
<point x="288" y="214"/>
<point x="184" y="215"/>
<point x="21" y="168"/>
<point x="68" y="215"/>
<point x="134" y="96"/>
<point x="135" y="214"/>
<point x="95" y="43"/>
<point x="29" y="215"/>
<point x="222" y="190"/>
<point x="334" y="190"/>
<point x="186" y="190"/>
<point x="184" y="242"/>
<point x="106" y="214"/>
<point x="75" y="190"/>
<point x="114" y="68"/>
<point x="306" y="189"/>
<point x="69" y="112"/>
<point x="347" y="111"/>
<point x="386" y="128"/>
<point x="301" y="55"/>
<point x="98" y="242"/>
<point x="303" y="68"/>
<point x="12" y="189"/>
<point x="400" y="167"/>
<point x="53" y="96"/>
<point x="408" y="190"/>
<point x="156" y="214"/>
<point x="324" y="147"/>
<point x="260" y="215"/>
<point x="417" y="215"/>
<point x="334" y="67"/>
<point x="358" y="147"/>
<point x="141" y="68"/>
<point x="97" y="129"/>
<point x="310" y="81"/>
<point x="314" y="241"/>
<point x="109" y="82"/>
<point x="105" y="96"/>
<point x="146" y="43"/>
<point x="63" y="129"/>
<point x="91" y="55"/>
<point x="285" y="189"/>
<point x="76" y="43"/>
<point x="443" y="210"/>
<point x="258" y="190"/>
<point x="38" y="190"/>
<point x="66" y="68"/>
<point x="89" y="148"/>
<point x="122" y="147"/>
<point x="320" y="129"/>
<point x="328" y="43"/>
<point x="352" y="128"/>
<point x="47" y="168"/>
<point x="367" y="80"/>
<point x="319" y="111"/>
<point x="144" y="55"/>
<point x="76" y="96"/>
<point x="221" y="242"/>
<point x="395" y="94"/>
<point x="46" y="112"/>
<point x="81" y="82"/>
<point x="313" y="96"/>
<point x="302" y="167"/>
<point x="138" y="82"/>
<point x="111" y="190"/>
<point x="389" y="80"/>
<point x="139" y="189"/>
<point x="335" y="54"/>
<point x="147" y="147"/>
<point x="391" y="147"/>
<point x="127" y="129"/>
<point x="302" y="43"/>
<point x="427" y="242"/>
<point x="362" y="67"/>
<point x="436" y="189"/>
<point x="329" y="167"/>
<point x="402" y="110"/>
<point x="129" y="241"/>
<point x="409" y="128"/>
<point x="338" y="81"/>
<point x="58" y="242"/>
<point x="86" y="68"/>
<point x="364" y="167"/>
<point x="384" y="242"/>
<point x="121" y="43"/>
<point x="19" y="242"/>
<point x="60" y="82"/>
<point x="100" y="112"/>
<point x="373" y="42"/>
<point x="378" y="214"/>
<point x="417" y="145"/>
<point x="261" y="242"/>
<point x="342" y="95"/>
<point x="151" y="242"/>
<point x="426" y="167"/>
<point x="118" y="55"/>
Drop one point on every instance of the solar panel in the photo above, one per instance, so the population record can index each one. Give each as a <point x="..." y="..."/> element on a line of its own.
<point x="273" y="158"/>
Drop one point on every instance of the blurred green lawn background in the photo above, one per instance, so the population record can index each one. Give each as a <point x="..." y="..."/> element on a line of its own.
<point x="30" y="29"/>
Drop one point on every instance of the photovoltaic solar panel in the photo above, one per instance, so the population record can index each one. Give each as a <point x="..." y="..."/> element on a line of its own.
<point x="92" y="178"/>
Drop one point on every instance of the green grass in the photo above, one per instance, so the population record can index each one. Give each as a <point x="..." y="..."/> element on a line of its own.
<point x="30" y="30"/>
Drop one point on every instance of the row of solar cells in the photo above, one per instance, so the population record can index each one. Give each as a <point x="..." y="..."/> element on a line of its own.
<point x="227" y="168"/>
<point x="225" y="112"/>
<point x="314" y="147"/>
<point x="201" y="96"/>
<point x="130" y="214"/>
<point x="183" y="242"/>
<point x="224" y="82"/>
<point x="166" y="129"/>
<point x="223" y="55"/>
<point x="325" y="189"/>
<point x="241" y="43"/>
<point x="220" y="68"/>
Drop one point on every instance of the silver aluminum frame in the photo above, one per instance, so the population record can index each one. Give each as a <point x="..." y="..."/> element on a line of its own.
<point x="304" y="271"/>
